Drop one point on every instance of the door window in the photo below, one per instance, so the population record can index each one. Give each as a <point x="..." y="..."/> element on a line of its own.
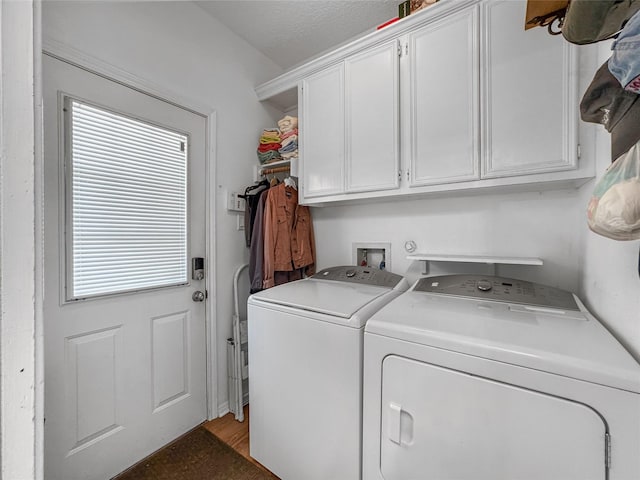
<point x="126" y="203"/>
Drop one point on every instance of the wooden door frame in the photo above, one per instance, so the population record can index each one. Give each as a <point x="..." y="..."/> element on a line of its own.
<point x="72" y="56"/>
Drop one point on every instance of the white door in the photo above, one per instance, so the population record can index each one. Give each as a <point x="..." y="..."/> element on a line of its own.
<point x="372" y="96"/>
<point x="529" y="91"/>
<point x="124" y="213"/>
<point x="322" y="138"/>
<point x="443" y="100"/>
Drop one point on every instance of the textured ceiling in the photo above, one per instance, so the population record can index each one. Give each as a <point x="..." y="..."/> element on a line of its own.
<point x="292" y="31"/>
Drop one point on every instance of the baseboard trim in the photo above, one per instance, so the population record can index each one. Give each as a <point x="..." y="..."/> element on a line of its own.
<point x="223" y="409"/>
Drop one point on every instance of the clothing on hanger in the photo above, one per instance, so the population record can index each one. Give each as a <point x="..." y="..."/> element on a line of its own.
<point x="251" y="197"/>
<point x="256" y="252"/>
<point x="289" y="242"/>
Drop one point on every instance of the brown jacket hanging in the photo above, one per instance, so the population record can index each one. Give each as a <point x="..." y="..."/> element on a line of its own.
<point x="288" y="234"/>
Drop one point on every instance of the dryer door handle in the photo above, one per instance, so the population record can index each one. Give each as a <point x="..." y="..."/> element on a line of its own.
<point x="395" y="423"/>
<point x="399" y="425"/>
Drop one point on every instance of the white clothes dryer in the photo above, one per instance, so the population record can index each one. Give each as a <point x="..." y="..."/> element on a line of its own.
<point x="305" y="371"/>
<point x="485" y="378"/>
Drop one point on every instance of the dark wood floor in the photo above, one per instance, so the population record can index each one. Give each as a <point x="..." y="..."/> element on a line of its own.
<point x="235" y="434"/>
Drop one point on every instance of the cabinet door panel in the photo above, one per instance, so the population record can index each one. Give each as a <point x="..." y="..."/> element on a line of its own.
<point x="444" y="100"/>
<point x="372" y="119"/>
<point x="528" y="95"/>
<point x="322" y="132"/>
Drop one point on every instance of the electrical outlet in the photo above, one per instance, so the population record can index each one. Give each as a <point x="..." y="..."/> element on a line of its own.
<point x="235" y="203"/>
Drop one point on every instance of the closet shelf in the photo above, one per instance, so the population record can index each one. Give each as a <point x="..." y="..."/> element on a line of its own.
<point x="279" y="163"/>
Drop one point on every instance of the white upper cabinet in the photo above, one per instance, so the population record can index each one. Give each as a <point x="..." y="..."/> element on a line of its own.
<point x="529" y="105"/>
<point x="322" y="135"/>
<point x="372" y="96"/>
<point x="349" y="129"/>
<point x="456" y="97"/>
<point x="443" y="104"/>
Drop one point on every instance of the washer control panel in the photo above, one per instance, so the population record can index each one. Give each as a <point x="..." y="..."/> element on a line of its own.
<point x="498" y="289"/>
<point x="364" y="275"/>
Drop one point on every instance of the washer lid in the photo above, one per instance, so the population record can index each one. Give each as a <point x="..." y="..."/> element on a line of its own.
<point x="331" y="294"/>
<point x="561" y="341"/>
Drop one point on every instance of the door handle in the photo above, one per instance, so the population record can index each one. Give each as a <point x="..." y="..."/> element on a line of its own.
<point x="198" y="296"/>
<point x="400" y="425"/>
<point x="395" y="426"/>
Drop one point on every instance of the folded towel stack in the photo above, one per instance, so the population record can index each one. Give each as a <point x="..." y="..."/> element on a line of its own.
<point x="288" y="127"/>
<point x="269" y="146"/>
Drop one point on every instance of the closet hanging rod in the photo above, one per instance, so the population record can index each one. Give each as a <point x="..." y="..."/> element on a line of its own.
<point x="268" y="171"/>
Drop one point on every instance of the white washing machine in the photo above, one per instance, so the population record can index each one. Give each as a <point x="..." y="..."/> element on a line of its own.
<point x="305" y="371"/>
<point x="486" y="378"/>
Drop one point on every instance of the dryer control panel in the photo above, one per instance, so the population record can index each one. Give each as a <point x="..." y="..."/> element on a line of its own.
<point x="498" y="289"/>
<point x="364" y="275"/>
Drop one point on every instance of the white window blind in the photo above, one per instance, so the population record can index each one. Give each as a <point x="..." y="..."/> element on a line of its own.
<point x="126" y="203"/>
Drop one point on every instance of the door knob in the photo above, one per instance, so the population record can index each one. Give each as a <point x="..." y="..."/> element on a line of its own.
<point x="198" y="296"/>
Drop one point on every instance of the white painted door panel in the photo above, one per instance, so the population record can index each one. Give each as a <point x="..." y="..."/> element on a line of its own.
<point x="372" y="96"/>
<point x="125" y="374"/>
<point x="322" y="134"/>
<point x="528" y="94"/>
<point x="445" y="424"/>
<point x="443" y="105"/>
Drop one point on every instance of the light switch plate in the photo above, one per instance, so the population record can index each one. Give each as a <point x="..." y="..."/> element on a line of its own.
<point x="235" y="203"/>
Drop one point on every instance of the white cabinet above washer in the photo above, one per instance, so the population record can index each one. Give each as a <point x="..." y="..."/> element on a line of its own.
<point x="469" y="101"/>
<point x="323" y="142"/>
<point x="372" y="129"/>
<point x="441" y="114"/>
<point x="529" y="96"/>
<point x="349" y="128"/>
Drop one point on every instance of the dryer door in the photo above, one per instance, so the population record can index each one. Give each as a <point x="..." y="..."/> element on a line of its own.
<point x="444" y="424"/>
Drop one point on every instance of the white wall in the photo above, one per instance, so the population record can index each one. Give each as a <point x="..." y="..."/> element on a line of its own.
<point x="537" y="224"/>
<point x="179" y="47"/>
<point x="610" y="282"/>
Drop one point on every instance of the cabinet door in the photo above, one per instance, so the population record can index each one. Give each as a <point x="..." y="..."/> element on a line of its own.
<point x="443" y="103"/>
<point x="322" y="132"/>
<point x="528" y="94"/>
<point x="371" y="94"/>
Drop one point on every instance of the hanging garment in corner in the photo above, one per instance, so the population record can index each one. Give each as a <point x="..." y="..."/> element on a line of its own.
<point x="251" y="197"/>
<point x="289" y="243"/>
<point x="256" y="253"/>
